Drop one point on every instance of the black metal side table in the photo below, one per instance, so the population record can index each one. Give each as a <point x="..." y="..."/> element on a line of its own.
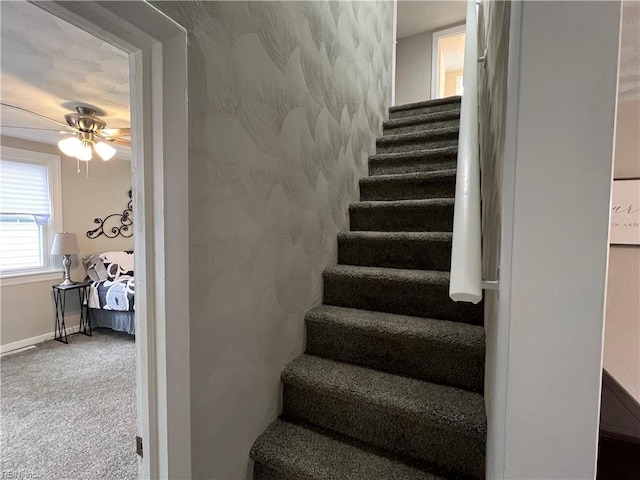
<point x="60" y="297"/>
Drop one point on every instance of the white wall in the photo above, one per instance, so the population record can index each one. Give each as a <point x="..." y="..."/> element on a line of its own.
<point x="413" y="68"/>
<point x="562" y="166"/>
<point x="27" y="310"/>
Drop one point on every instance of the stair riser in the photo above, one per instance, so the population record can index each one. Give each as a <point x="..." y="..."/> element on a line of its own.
<point x="421" y="127"/>
<point x="262" y="472"/>
<point x="387" y="429"/>
<point x="440" y="141"/>
<point x="413" y="165"/>
<point x="436" y="218"/>
<point x="416" y="357"/>
<point x="401" y="296"/>
<point x="420" y="254"/>
<point x="424" y="110"/>
<point x="414" y="189"/>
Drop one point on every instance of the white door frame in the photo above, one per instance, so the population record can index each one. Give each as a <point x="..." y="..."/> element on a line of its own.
<point x="394" y="53"/>
<point x="437" y="35"/>
<point x="157" y="48"/>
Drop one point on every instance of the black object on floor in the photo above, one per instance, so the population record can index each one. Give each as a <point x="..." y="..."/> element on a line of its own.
<point x="391" y="382"/>
<point x="618" y="460"/>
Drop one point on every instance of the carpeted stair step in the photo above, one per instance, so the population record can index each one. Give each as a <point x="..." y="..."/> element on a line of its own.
<point x="412" y="250"/>
<point x="426" y="107"/>
<point x="409" y="186"/>
<point x="417" y="123"/>
<point x="420" y="293"/>
<point x="431" y="215"/>
<point x="426" y="139"/>
<point x="289" y="451"/>
<point x="441" y="425"/>
<point x="450" y="353"/>
<point x="414" y="161"/>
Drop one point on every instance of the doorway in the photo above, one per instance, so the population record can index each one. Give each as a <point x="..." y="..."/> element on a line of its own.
<point x="156" y="49"/>
<point x="447" y="62"/>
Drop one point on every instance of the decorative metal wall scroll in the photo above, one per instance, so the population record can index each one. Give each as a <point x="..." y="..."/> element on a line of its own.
<point x="122" y="223"/>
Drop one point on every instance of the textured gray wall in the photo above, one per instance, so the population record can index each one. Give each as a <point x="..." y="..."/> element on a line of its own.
<point x="285" y="101"/>
<point x="493" y="34"/>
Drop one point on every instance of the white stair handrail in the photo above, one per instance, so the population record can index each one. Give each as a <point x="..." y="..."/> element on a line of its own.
<point x="466" y="261"/>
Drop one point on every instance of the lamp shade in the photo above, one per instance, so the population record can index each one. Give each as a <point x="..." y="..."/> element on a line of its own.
<point x="65" y="244"/>
<point x="70" y="146"/>
<point x="104" y="151"/>
<point x="84" y="153"/>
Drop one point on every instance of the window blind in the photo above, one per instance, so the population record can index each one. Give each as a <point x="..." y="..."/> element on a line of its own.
<point x="24" y="190"/>
<point x="25" y="208"/>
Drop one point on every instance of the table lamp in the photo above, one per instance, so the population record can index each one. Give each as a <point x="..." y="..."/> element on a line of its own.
<point x="65" y="244"/>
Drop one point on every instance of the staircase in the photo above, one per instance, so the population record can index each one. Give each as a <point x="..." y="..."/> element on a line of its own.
<point x="390" y="385"/>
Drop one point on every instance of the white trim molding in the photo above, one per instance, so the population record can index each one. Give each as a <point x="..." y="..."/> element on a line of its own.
<point x="27" y="342"/>
<point x="31" y="277"/>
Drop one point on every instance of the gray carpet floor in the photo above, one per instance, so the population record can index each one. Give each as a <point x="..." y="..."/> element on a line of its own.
<point x="69" y="411"/>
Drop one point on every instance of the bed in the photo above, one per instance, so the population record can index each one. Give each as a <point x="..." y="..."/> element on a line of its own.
<point x="112" y="295"/>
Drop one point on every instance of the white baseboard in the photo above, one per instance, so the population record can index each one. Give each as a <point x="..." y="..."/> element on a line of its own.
<point x="34" y="340"/>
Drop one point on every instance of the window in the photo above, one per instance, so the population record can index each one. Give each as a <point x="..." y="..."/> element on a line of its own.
<point x="29" y="211"/>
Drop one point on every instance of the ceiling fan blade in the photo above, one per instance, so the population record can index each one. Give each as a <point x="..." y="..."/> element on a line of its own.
<point x="39" y="129"/>
<point x="119" y="141"/>
<point x="33" y="113"/>
<point x="115" y="132"/>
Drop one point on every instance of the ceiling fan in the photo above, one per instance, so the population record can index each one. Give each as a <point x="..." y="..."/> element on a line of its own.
<point x="88" y="133"/>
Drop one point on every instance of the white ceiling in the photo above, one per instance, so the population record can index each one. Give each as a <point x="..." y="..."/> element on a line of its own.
<point x="49" y="65"/>
<point x="422" y="16"/>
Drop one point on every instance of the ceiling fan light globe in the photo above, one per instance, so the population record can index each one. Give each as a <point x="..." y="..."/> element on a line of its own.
<point x="70" y="146"/>
<point x="84" y="153"/>
<point x="104" y="151"/>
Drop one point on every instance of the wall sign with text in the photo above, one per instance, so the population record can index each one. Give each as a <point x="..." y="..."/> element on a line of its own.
<point x="625" y="212"/>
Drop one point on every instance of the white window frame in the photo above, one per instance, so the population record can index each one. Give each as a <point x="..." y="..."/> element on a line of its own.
<point x="435" y="67"/>
<point x="51" y="269"/>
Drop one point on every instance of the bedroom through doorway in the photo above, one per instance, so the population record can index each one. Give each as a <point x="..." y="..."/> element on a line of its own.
<point x="67" y="272"/>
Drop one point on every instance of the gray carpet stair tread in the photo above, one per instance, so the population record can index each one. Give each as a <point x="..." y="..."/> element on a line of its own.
<point x="424" y="348"/>
<point x="418" y="137"/>
<point x="422" y="421"/>
<point x="417" y="276"/>
<point x="399" y="236"/>
<point x="416" y="154"/>
<point x="401" y="178"/>
<point x="427" y="118"/>
<point x="423" y="215"/>
<point x="292" y="451"/>
<point x="439" y="406"/>
<point x="380" y="324"/>
<point x="425" y="104"/>
<point x="420" y="160"/>
<point x="420" y="293"/>
<point x="409" y="186"/>
<point x="409" y="250"/>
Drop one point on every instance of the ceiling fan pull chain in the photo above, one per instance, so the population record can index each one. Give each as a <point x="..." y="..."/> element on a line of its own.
<point x="87" y="176"/>
<point x="78" y="164"/>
